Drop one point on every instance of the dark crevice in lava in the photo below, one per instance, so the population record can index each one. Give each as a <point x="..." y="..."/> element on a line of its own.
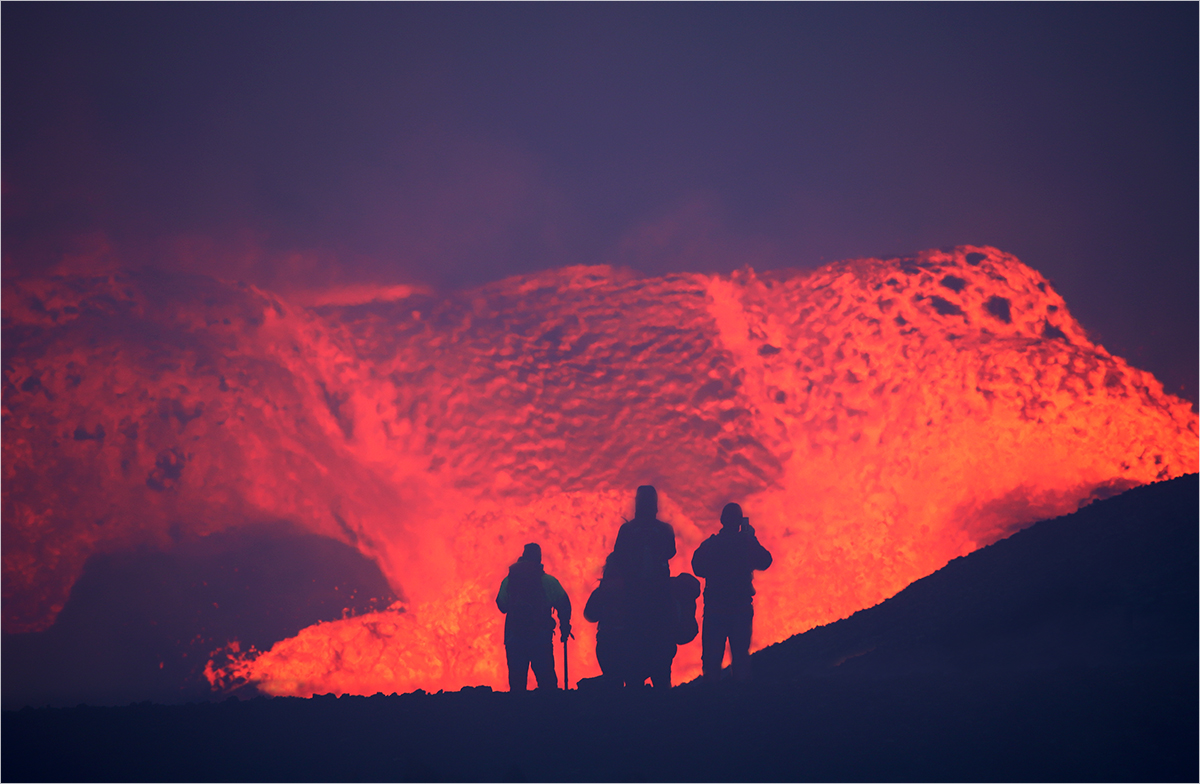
<point x="142" y="625"/>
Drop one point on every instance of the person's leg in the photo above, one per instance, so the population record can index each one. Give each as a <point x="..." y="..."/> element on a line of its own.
<point x="660" y="675"/>
<point x="612" y="653"/>
<point x="639" y="655"/>
<point x="517" y="652"/>
<point x="712" y="642"/>
<point x="740" y="628"/>
<point x="606" y="655"/>
<point x="541" y="657"/>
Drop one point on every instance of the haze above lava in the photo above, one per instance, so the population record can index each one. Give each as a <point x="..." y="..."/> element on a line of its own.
<point x="876" y="418"/>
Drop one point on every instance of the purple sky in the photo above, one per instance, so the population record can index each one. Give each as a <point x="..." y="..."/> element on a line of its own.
<point x="453" y="144"/>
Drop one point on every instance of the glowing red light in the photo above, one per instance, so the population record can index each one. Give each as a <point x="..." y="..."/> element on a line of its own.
<point x="874" y="418"/>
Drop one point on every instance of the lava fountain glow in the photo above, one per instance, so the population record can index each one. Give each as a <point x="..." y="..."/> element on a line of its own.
<point x="875" y="419"/>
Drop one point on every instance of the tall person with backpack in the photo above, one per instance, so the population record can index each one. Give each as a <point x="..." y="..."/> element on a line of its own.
<point x="527" y="596"/>
<point x="643" y="613"/>
<point x="640" y="557"/>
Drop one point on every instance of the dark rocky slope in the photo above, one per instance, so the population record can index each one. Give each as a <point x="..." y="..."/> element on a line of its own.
<point x="1113" y="585"/>
<point x="1066" y="652"/>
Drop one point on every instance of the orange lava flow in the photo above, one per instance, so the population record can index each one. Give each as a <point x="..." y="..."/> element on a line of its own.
<point x="875" y="419"/>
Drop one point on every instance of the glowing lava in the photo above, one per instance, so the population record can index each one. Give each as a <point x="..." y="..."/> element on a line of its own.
<point x="874" y="418"/>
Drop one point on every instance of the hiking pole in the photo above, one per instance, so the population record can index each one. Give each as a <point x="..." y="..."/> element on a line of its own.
<point x="566" y="677"/>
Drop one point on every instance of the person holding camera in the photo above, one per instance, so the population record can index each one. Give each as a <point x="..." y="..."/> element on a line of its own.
<point x="727" y="561"/>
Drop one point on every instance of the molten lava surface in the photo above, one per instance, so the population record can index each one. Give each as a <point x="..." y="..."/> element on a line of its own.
<point x="875" y="419"/>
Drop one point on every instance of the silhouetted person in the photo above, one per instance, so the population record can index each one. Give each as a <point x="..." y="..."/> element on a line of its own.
<point x="645" y="543"/>
<point x="638" y="564"/>
<point x="727" y="561"/>
<point x="607" y="607"/>
<point x="624" y="658"/>
<point x="526" y="597"/>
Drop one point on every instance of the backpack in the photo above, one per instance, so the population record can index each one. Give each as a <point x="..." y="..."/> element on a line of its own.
<point x="528" y="605"/>
<point x="685" y="589"/>
<point x="637" y="551"/>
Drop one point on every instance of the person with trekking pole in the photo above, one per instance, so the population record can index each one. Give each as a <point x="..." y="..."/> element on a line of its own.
<point x="567" y="634"/>
<point x="527" y="596"/>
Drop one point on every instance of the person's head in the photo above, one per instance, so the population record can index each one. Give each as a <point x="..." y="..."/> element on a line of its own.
<point x="532" y="552"/>
<point x="646" y="505"/>
<point x="731" y="517"/>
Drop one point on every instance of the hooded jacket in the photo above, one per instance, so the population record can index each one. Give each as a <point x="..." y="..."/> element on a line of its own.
<point x="526" y="597"/>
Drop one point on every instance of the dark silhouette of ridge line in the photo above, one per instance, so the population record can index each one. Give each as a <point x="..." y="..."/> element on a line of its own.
<point x="1113" y="584"/>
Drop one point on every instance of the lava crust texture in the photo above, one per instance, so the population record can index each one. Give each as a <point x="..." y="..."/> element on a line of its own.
<point x="875" y="418"/>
